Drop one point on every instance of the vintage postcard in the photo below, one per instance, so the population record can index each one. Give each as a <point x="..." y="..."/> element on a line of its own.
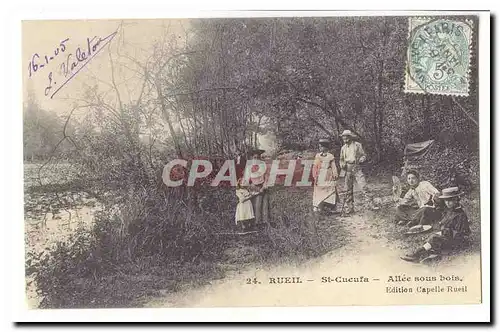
<point x="254" y="161"/>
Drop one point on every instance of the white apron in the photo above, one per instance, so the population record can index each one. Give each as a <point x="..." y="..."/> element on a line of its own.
<point x="244" y="210"/>
<point x="324" y="193"/>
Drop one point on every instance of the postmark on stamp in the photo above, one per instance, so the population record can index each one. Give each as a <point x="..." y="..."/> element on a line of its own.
<point x="438" y="56"/>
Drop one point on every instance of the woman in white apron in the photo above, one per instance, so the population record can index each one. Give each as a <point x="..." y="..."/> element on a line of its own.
<point x="324" y="171"/>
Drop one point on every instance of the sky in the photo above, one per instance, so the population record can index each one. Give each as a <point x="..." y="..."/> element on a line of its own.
<point x="134" y="37"/>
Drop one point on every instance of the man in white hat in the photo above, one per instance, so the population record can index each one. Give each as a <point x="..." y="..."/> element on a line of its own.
<point x="454" y="228"/>
<point x="351" y="156"/>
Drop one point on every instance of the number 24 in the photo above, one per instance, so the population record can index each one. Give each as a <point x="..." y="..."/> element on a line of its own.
<point x="250" y="281"/>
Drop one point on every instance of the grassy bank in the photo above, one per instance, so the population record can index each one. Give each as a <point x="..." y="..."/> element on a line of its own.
<point x="95" y="268"/>
<point x="112" y="266"/>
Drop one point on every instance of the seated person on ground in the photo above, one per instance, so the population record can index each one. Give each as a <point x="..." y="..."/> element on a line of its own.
<point x="454" y="228"/>
<point x="420" y="204"/>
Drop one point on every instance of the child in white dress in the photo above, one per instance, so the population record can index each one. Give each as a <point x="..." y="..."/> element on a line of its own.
<point x="244" y="215"/>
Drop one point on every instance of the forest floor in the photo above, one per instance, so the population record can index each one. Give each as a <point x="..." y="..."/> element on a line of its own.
<point x="373" y="246"/>
<point x="365" y="244"/>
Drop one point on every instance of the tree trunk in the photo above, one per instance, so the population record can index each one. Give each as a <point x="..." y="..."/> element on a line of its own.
<point x="167" y="119"/>
<point x="380" y="110"/>
<point x="426" y="114"/>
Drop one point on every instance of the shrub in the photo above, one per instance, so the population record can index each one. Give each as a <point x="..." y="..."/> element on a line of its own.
<point x="165" y="233"/>
<point x="57" y="269"/>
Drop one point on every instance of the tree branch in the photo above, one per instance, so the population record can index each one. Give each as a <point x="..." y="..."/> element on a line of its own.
<point x="464" y="111"/>
<point x="339" y="120"/>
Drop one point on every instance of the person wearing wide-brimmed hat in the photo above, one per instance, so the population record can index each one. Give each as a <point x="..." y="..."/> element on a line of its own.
<point x="454" y="228"/>
<point x="325" y="174"/>
<point x="351" y="156"/>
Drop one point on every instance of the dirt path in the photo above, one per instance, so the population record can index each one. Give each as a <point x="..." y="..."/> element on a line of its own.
<point x="369" y="258"/>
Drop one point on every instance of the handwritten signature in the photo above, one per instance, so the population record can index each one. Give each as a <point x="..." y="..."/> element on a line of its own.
<point x="72" y="65"/>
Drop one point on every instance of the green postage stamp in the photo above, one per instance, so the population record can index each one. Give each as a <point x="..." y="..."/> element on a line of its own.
<point x="438" y="56"/>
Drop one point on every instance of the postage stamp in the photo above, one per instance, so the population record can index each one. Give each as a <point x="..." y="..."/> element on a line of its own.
<point x="438" y="56"/>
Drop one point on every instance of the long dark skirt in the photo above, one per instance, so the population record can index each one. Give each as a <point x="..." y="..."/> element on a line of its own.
<point x="425" y="215"/>
<point x="262" y="208"/>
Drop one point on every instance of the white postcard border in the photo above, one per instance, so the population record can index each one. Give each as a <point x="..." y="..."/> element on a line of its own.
<point x="13" y="173"/>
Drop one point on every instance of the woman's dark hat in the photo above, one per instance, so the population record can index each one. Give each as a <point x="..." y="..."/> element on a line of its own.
<point x="449" y="193"/>
<point x="256" y="151"/>
<point x="325" y="141"/>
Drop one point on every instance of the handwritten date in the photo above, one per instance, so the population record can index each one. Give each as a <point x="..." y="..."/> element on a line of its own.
<point x="72" y="64"/>
<point x="34" y="64"/>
